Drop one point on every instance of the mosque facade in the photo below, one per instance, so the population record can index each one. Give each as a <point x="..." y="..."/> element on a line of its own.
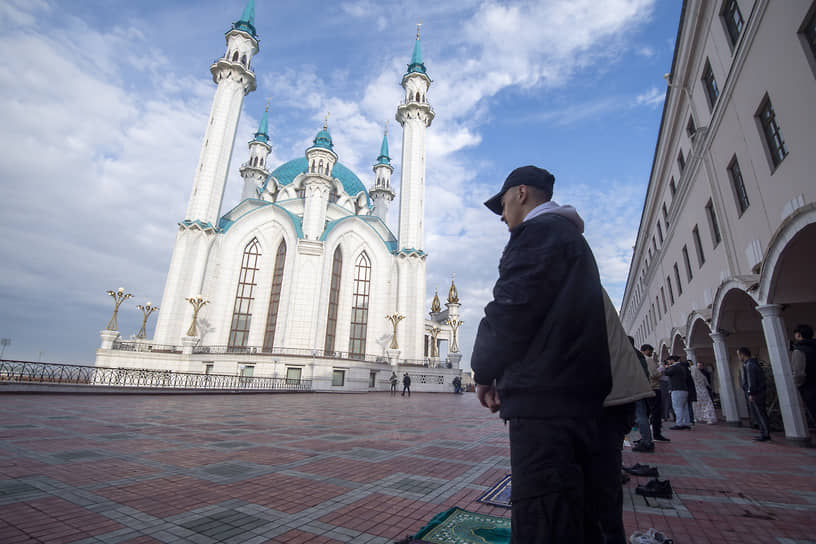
<point x="302" y="279"/>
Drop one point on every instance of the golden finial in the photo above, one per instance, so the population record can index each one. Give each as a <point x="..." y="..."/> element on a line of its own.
<point x="453" y="294"/>
<point x="326" y="121"/>
<point x="436" y="307"/>
<point x="385" y="131"/>
<point x="268" y="100"/>
<point x="419" y="24"/>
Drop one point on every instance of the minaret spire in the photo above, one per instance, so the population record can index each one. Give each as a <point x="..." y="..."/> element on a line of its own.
<point x="247" y="20"/>
<point x="381" y="193"/>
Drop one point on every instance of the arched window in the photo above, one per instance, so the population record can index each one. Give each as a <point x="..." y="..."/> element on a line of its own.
<point x="417" y="96"/>
<point x="334" y="300"/>
<point x="359" y="307"/>
<point x="235" y="56"/>
<point x="243" y="60"/>
<point x="260" y="162"/>
<point x="320" y="167"/>
<point x="274" y="297"/>
<point x="313" y="166"/>
<point x="242" y="310"/>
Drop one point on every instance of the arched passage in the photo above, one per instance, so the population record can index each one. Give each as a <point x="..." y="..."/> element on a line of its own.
<point x="678" y="346"/>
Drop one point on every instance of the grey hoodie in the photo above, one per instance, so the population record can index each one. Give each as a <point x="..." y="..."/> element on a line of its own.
<point x="553" y="207"/>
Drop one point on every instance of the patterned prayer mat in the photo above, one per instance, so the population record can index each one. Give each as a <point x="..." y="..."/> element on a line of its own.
<point x="457" y="526"/>
<point x="499" y="494"/>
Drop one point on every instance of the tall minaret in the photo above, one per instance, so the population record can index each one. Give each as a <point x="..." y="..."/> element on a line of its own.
<point x="185" y="278"/>
<point x="235" y="79"/>
<point x="381" y="192"/>
<point x="415" y="115"/>
<point x="320" y="159"/>
<point x="255" y="170"/>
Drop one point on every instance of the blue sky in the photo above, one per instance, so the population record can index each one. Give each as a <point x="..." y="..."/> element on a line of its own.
<point x="104" y="106"/>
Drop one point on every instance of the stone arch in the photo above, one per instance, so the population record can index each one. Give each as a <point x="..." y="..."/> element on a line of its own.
<point x="678" y="343"/>
<point x="723" y="291"/>
<point x="663" y="352"/>
<point x="791" y="248"/>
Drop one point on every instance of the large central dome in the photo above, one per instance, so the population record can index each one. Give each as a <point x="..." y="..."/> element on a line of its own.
<point x="288" y="171"/>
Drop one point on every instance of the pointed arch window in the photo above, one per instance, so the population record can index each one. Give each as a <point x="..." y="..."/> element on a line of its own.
<point x="274" y="297"/>
<point x="242" y="310"/>
<point x="359" y="308"/>
<point x="334" y="299"/>
<point x="243" y="60"/>
<point x="235" y="56"/>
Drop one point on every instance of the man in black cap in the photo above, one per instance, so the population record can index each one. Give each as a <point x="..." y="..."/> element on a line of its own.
<point x="541" y="357"/>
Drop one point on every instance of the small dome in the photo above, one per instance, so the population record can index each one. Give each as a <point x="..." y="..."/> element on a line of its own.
<point x="323" y="139"/>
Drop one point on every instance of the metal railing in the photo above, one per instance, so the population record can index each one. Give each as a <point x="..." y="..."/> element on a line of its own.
<point x="62" y="374"/>
<point x="297" y="352"/>
<point x="146" y="347"/>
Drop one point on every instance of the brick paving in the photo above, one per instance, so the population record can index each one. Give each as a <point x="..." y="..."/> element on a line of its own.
<point x="328" y="468"/>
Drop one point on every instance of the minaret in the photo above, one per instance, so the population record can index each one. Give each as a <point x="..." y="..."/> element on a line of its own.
<point x="255" y="171"/>
<point x="381" y="193"/>
<point x="185" y="278"/>
<point x="415" y="115"/>
<point x="320" y="159"/>
<point x="235" y="79"/>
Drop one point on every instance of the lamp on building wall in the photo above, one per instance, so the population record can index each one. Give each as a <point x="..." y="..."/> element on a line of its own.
<point x="668" y="78"/>
<point x="197" y="302"/>
<point x="119" y="296"/>
<point x="394" y="318"/>
<point x="147" y="309"/>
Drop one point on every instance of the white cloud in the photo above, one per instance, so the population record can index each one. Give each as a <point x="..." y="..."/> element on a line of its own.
<point x="653" y="97"/>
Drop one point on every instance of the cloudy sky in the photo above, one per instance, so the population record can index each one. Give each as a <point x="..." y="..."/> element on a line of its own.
<point x="104" y="105"/>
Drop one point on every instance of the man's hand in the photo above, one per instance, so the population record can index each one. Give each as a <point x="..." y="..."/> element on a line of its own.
<point x="489" y="397"/>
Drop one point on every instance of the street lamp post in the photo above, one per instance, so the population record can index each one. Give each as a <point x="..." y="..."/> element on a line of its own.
<point x="147" y="309"/>
<point x="454" y="325"/>
<point x="197" y="302"/>
<point x="119" y="296"/>
<point x="394" y="318"/>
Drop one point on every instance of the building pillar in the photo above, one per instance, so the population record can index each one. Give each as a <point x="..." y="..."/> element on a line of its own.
<point x="108" y="338"/>
<point x="777" y="341"/>
<point x="187" y="344"/>
<point x="393" y="357"/>
<point x="728" y="399"/>
<point x="691" y="355"/>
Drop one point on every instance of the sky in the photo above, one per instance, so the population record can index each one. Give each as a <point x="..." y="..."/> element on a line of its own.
<point x="104" y="105"/>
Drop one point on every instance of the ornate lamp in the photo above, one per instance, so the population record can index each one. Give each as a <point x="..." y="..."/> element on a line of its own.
<point x="454" y="325"/>
<point x="119" y="296"/>
<point x="434" y="346"/>
<point x="147" y="309"/>
<point x="394" y="318"/>
<point x="198" y="302"/>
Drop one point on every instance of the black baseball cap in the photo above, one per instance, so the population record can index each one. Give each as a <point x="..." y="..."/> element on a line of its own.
<point x="524" y="175"/>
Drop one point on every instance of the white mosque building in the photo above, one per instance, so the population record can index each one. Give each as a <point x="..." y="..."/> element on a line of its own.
<point x="302" y="279"/>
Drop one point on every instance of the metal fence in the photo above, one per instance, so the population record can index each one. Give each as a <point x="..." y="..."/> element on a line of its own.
<point x="55" y="373"/>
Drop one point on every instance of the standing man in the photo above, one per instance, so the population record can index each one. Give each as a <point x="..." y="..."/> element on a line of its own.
<point x="655" y="403"/>
<point x="803" y="363"/>
<point x="753" y="383"/>
<point x="645" y="444"/>
<point x="678" y="374"/>
<point x="541" y="357"/>
<point x="406" y="384"/>
<point x="393" y="380"/>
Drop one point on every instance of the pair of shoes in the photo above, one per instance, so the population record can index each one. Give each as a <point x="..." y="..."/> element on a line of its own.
<point x="643" y="448"/>
<point x="655" y="488"/>
<point x="652" y="536"/>
<point x="757" y="439"/>
<point x="641" y="470"/>
<point x="661" y="438"/>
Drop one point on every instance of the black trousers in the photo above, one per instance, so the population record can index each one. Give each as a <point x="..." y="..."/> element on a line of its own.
<point x="808" y="395"/>
<point x="760" y="413"/>
<point x="656" y="412"/>
<point x="552" y="488"/>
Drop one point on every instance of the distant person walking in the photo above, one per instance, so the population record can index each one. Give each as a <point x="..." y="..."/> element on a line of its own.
<point x="406" y="384"/>
<point x="753" y="383"/>
<point x="393" y="379"/>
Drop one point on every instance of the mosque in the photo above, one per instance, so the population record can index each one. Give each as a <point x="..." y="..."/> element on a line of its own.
<point x="302" y="279"/>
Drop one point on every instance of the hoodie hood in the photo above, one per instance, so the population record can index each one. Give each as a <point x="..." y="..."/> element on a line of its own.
<point x="553" y="207"/>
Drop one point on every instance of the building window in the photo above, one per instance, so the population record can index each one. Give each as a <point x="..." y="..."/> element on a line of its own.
<point x="738" y="184"/>
<point x="359" y="309"/>
<point x="208" y="368"/>
<point x="274" y="297"/>
<point x="242" y="310"/>
<point x="338" y="378"/>
<point x="672" y="187"/>
<point x="681" y="161"/>
<point x="698" y="245"/>
<point x="334" y="300"/>
<point x="654" y="244"/>
<point x="666" y="216"/>
<point x="293" y="375"/>
<point x="716" y="238"/>
<point x="663" y="300"/>
<point x="773" y="135"/>
<point x="710" y="84"/>
<point x="677" y="279"/>
<point x="687" y="262"/>
<point x="659" y="315"/>
<point x="301" y="193"/>
<point x="671" y="291"/>
<point x="691" y="130"/>
<point x="660" y="232"/>
<point x="733" y="20"/>
<point x="808" y="30"/>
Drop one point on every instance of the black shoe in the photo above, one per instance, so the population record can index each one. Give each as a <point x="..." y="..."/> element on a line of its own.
<point x="760" y="439"/>
<point x="655" y="488"/>
<point x="661" y="438"/>
<point x="676" y="427"/>
<point x="624" y="478"/>
<point x="642" y="470"/>
<point x="643" y="448"/>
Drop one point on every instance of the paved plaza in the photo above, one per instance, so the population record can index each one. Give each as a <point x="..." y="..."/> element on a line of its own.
<point x="326" y="468"/>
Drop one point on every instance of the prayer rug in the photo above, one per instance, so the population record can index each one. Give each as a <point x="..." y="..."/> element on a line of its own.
<point x="499" y="494"/>
<point x="457" y="526"/>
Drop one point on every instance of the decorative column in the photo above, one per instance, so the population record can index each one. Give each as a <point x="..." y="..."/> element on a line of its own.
<point x="108" y="338"/>
<point x="728" y="398"/>
<point x="777" y="341"/>
<point x="691" y="355"/>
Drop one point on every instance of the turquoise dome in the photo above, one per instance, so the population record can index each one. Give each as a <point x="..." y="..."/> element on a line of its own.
<point x="323" y="139"/>
<point x="288" y="171"/>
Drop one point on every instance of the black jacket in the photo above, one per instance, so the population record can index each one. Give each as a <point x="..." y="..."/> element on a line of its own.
<point x="753" y="377"/>
<point x="808" y="347"/>
<point x="543" y="338"/>
<point x="679" y="375"/>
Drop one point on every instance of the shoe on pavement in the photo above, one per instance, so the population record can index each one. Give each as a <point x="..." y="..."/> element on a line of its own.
<point x="757" y="439"/>
<point x="655" y="488"/>
<point x="652" y="536"/>
<point x="643" y="448"/>
<point x="642" y="470"/>
<point x="661" y="438"/>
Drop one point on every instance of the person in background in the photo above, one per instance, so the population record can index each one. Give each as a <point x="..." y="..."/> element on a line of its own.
<point x="645" y="444"/>
<point x="678" y="374"/>
<point x="803" y="364"/>
<point x="393" y="379"/>
<point x="753" y="383"/>
<point x="692" y="392"/>
<point x="656" y="380"/>
<point x="406" y="384"/>
<point x="704" y="405"/>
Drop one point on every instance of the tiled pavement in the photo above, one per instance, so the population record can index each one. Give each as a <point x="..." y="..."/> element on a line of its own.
<point x="339" y="468"/>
